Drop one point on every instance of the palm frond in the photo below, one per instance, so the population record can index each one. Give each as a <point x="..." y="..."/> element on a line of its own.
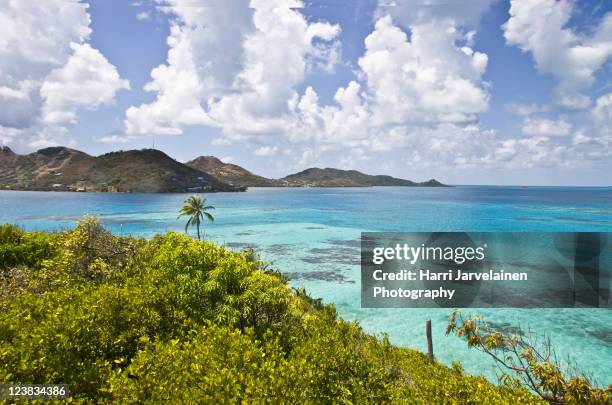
<point x="194" y="207"/>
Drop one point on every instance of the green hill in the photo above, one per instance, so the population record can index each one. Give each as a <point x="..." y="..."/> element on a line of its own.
<point x="174" y="320"/>
<point x="313" y="177"/>
<point x="152" y="171"/>
<point x="328" y="177"/>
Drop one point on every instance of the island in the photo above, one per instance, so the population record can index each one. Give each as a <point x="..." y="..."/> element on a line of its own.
<point x="312" y="177"/>
<point x="61" y="168"/>
<point x="135" y="171"/>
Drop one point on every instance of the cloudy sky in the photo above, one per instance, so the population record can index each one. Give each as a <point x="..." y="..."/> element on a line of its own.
<point x="478" y="92"/>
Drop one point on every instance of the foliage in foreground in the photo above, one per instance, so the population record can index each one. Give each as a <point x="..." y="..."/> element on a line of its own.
<point x="526" y="361"/>
<point x="174" y="320"/>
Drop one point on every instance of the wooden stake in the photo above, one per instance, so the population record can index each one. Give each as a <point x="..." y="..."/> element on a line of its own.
<point x="429" y="342"/>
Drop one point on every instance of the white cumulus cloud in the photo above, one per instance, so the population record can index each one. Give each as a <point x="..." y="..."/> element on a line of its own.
<point x="434" y="76"/>
<point x="204" y="56"/>
<point x="540" y="27"/>
<point x="419" y="87"/>
<point x="429" y="75"/>
<point x="238" y="67"/>
<point x="48" y="70"/>
<point x="234" y="66"/>
<point x="86" y="80"/>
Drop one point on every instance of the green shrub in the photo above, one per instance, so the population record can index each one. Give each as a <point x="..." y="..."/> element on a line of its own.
<point x="91" y="252"/>
<point x="173" y="320"/>
<point x="20" y="248"/>
<point x="22" y="254"/>
<point x="213" y="365"/>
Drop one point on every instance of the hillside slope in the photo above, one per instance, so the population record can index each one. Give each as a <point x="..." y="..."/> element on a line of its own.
<point x="44" y="168"/>
<point x="152" y="171"/>
<point x="175" y="320"/>
<point x="142" y="171"/>
<point x="313" y="177"/>
<point x="328" y="177"/>
<point x="230" y="173"/>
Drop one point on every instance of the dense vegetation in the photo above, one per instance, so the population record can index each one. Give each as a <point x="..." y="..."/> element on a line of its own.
<point x="175" y="320"/>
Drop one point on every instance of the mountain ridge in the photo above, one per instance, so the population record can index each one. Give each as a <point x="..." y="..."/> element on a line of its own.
<point x="311" y="177"/>
<point x="230" y="172"/>
<point x="66" y="169"/>
<point x="60" y="168"/>
<point x="331" y="177"/>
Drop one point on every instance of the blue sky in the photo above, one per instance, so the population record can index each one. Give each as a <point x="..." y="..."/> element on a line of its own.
<point x="484" y="92"/>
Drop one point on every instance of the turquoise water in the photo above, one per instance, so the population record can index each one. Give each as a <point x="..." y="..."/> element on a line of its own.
<point x="313" y="236"/>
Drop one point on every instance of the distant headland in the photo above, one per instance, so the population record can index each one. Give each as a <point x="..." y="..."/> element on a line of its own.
<point x="152" y="171"/>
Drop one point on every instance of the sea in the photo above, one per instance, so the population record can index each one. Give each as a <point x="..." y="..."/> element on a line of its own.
<point x="313" y="236"/>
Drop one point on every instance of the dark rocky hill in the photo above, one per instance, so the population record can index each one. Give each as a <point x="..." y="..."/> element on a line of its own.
<point x="139" y="171"/>
<point x="230" y="173"/>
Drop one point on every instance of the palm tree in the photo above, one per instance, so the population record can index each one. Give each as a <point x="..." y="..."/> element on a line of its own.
<point x="195" y="208"/>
